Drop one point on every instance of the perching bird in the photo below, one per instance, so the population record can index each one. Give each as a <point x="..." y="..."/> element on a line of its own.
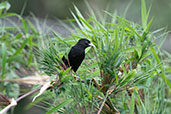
<point x="77" y="54"/>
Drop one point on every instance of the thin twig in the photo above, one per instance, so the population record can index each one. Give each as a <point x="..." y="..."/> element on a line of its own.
<point x="113" y="107"/>
<point x="101" y="107"/>
<point x="27" y="94"/>
<point x="21" y="97"/>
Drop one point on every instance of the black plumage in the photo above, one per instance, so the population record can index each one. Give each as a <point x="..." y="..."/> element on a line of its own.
<point x="77" y="54"/>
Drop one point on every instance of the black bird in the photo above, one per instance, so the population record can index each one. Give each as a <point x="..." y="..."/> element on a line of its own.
<point x="77" y="54"/>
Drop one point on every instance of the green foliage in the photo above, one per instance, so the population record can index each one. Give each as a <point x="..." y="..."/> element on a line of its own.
<point x="130" y="70"/>
<point x="121" y="46"/>
<point x="68" y="101"/>
<point x="50" y="61"/>
<point x="16" y="50"/>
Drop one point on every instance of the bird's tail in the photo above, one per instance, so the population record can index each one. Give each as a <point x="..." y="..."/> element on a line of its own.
<point x="66" y="62"/>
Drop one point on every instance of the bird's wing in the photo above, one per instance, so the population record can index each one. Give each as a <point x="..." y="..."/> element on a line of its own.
<point x="76" y="57"/>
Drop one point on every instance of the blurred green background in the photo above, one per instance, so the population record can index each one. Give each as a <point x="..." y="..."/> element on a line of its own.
<point x="160" y="9"/>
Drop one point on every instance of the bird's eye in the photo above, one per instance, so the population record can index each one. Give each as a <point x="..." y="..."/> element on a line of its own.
<point x="87" y="42"/>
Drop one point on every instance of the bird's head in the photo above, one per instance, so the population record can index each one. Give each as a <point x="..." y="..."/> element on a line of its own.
<point x="84" y="43"/>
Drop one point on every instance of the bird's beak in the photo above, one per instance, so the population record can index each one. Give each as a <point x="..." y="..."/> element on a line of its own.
<point x="91" y="44"/>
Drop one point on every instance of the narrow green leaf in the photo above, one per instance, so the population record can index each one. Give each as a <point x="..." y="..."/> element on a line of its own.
<point x="25" y="26"/>
<point x="21" y="47"/>
<point x="132" y="48"/>
<point x="15" y="58"/>
<point x="127" y="79"/>
<point x="132" y="105"/>
<point x="116" y="77"/>
<point x="133" y="30"/>
<point x="157" y="31"/>
<point x="66" y="71"/>
<point x="148" y="13"/>
<point x="125" y="43"/>
<point x="162" y="74"/>
<point x="86" y="23"/>
<point x="116" y="41"/>
<point x="61" y="105"/>
<point x="155" y="55"/>
<point x="77" y="20"/>
<point x="146" y="30"/>
<point x="8" y="15"/>
<point x="30" y="56"/>
<point x="143" y="13"/>
<point x="4" y="54"/>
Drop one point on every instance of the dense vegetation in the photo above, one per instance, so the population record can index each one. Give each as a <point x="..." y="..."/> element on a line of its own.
<point x="125" y="72"/>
